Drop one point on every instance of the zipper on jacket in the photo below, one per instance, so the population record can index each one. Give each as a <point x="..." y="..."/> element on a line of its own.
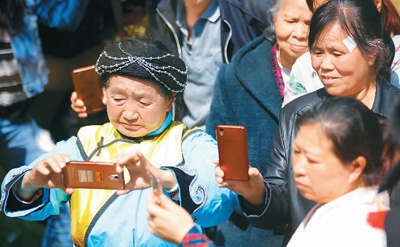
<point x="227" y="42"/>
<point x="177" y="42"/>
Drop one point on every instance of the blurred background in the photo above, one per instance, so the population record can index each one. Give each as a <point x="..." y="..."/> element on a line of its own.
<point x="104" y="21"/>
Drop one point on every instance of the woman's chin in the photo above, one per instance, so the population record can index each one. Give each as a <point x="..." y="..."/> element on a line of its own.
<point x="133" y="133"/>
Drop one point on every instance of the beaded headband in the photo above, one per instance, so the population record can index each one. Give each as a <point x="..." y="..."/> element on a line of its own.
<point x="143" y="58"/>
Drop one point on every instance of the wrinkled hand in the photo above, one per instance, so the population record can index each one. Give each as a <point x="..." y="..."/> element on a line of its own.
<point x="252" y="190"/>
<point x="140" y="170"/>
<point x="78" y="105"/>
<point x="167" y="219"/>
<point x="45" y="174"/>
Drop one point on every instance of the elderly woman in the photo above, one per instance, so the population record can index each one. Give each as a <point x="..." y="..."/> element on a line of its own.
<point x="249" y="92"/>
<point x="140" y="79"/>
<point x="304" y="79"/>
<point x="348" y="53"/>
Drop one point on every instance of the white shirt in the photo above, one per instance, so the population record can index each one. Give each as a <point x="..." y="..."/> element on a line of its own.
<point x="343" y="222"/>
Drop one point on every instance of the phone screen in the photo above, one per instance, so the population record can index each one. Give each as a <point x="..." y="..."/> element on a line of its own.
<point x="156" y="185"/>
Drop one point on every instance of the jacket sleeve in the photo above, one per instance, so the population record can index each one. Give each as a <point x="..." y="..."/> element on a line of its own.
<point x="275" y="213"/>
<point x="65" y="15"/>
<point x="200" y="194"/>
<point x="51" y="199"/>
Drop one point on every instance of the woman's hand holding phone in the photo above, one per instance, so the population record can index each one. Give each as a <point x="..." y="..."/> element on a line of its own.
<point x="88" y="95"/>
<point x="140" y="172"/>
<point x="233" y="170"/>
<point x="46" y="173"/>
<point x="232" y="149"/>
<point x="253" y="190"/>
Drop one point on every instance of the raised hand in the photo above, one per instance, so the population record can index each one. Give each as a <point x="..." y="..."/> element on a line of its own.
<point x="164" y="213"/>
<point x="45" y="174"/>
<point x="252" y="190"/>
<point x="140" y="170"/>
<point x="78" y="105"/>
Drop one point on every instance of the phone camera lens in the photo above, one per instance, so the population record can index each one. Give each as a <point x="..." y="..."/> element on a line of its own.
<point x="114" y="177"/>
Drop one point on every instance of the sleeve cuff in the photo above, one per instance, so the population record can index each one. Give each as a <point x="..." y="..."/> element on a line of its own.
<point x="14" y="203"/>
<point x="254" y="210"/>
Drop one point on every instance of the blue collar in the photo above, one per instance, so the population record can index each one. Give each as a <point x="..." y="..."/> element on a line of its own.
<point x="163" y="126"/>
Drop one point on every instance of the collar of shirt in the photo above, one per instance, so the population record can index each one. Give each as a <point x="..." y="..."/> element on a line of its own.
<point x="212" y="14"/>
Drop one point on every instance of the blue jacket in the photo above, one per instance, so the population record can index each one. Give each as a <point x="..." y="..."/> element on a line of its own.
<point x="246" y="94"/>
<point x="122" y="220"/>
<point x="26" y="45"/>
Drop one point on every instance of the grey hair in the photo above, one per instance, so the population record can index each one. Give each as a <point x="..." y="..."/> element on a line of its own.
<point x="269" y="32"/>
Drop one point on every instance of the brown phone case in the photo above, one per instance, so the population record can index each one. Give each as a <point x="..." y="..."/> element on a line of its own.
<point x="88" y="88"/>
<point x="233" y="153"/>
<point x="92" y="175"/>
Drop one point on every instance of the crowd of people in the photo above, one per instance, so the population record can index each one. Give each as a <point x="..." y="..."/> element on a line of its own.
<point x="315" y="84"/>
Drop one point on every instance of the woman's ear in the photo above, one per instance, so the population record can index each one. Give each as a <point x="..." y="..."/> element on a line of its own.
<point x="357" y="168"/>
<point x="104" y="96"/>
<point x="372" y="56"/>
<point x="171" y="101"/>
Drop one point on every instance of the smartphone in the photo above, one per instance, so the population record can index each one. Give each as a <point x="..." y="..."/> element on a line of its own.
<point x="92" y="175"/>
<point x="88" y="88"/>
<point x="233" y="152"/>
<point x="156" y="185"/>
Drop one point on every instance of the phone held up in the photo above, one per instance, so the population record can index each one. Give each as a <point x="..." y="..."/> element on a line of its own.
<point x="233" y="152"/>
<point x="156" y="185"/>
<point x="88" y="88"/>
<point x="92" y="175"/>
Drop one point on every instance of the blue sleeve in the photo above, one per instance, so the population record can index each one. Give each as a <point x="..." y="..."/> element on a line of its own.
<point x="200" y="194"/>
<point x="51" y="200"/>
<point x="62" y="14"/>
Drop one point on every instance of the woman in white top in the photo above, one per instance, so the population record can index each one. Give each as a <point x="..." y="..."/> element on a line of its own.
<point x="340" y="170"/>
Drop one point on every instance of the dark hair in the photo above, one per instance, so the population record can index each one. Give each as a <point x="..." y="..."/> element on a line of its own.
<point x="354" y="131"/>
<point x="394" y="123"/>
<point x="390" y="17"/>
<point x="310" y="4"/>
<point x="269" y="32"/>
<point x="11" y="14"/>
<point x="361" y="20"/>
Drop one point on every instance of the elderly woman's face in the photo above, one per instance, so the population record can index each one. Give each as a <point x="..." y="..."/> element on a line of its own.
<point x="341" y="66"/>
<point x="135" y="106"/>
<point x="292" y="24"/>
<point x="318" y="172"/>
